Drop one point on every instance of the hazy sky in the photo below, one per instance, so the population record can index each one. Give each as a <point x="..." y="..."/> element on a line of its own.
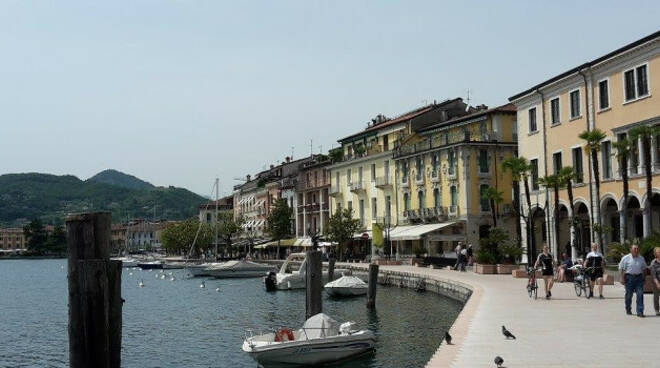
<point x="179" y="92"/>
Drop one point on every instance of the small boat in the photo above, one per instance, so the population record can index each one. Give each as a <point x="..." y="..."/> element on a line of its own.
<point x="238" y="269"/>
<point x="287" y="279"/>
<point x="126" y="261"/>
<point x="152" y="265"/>
<point x="175" y="265"/>
<point x="200" y="270"/>
<point x="346" y="286"/>
<point x="320" y="340"/>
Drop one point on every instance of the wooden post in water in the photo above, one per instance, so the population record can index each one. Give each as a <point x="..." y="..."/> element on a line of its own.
<point x="331" y="269"/>
<point x="371" y="292"/>
<point x="314" y="284"/>
<point x="95" y="303"/>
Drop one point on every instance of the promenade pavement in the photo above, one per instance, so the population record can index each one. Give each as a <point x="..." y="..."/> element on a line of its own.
<point x="565" y="331"/>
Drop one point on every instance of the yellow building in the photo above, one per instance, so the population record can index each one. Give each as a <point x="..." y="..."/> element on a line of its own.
<point x="12" y="240"/>
<point x="443" y="169"/>
<point x="613" y="93"/>
<point x="364" y="179"/>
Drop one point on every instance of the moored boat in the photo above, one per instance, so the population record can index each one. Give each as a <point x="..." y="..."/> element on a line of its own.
<point x="126" y="261"/>
<point x="288" y="279"/>
<point x="151" y="265"/>
<point x="200" y="270"/>
<point x="320" y="340"/>
<point x="346" y="286"/>
<point x="238" y="269"/>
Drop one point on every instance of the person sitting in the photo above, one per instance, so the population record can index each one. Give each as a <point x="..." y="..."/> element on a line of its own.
<point x="564" y="268"/>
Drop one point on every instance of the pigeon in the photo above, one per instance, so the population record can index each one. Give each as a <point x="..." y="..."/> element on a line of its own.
<point x="499" y="361"/>
<point x="507" y="334"/>
<point x="447" y="338"/>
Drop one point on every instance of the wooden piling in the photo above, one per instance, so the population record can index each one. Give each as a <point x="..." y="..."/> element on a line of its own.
<point x="95" y="303"/>
<point x="371" y="291"/>
<point x="331" y="269"/>
<point x="314" y="284"/>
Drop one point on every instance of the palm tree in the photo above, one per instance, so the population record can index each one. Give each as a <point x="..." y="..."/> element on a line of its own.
<point x="566" y="176"/>
<point x="493" y="196"/>
<point x="593" y="140"/>
<point x="554" y="182"/>
<point x="520" y="168"/>
<point x="644" y="133"/>
<point x="623" y="154"/>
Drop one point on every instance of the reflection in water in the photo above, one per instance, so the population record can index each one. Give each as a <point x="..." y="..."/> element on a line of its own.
<point x="178" y="324"/>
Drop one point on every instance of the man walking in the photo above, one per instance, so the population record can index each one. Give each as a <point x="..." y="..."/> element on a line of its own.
<point x="632" y="267"/>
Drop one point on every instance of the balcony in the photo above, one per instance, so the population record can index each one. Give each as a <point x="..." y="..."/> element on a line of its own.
<point x="454" y="211"/>
<point x="419" y="179"/>
<point x="356" y="186"/>
<point x="404" y="182"/>
<point x="435" y="176"/>
<point x="335" y="191"/>
<point x="313" y="207"/>
<point x="383" y="182"/>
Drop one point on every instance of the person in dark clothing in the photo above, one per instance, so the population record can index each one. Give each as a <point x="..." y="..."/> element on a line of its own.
<point x="596" y="260"/>
<point x="547" y="269"/>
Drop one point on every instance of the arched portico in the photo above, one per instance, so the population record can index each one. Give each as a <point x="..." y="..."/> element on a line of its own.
<point x="539" y="234"/>
<point x="610" y="219"/>
<point x="582" y="229"/>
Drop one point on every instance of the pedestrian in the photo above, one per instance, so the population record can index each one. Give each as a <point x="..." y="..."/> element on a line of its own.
<point x="547" y="269"/>
<point x="632" y="267"/>
<point x="458" y="255"/>
<point x="655" y="277"/>
<point x="470" y="254"/>
<point x="463" y="259"/>
<point x="563" y="269"/>
<point x="596" y="260"/>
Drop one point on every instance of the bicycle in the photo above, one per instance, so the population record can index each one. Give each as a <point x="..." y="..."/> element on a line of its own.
<point x="532" y="285"/>
<point x="581" y="279"/>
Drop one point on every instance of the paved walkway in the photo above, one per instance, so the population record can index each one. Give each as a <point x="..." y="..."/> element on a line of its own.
<point x="565" y="331"/>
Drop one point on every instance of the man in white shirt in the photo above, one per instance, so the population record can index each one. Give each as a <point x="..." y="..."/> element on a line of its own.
<point x="632" y="267"/>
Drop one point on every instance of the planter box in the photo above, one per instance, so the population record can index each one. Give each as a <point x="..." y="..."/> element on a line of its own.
<point x="485" y="268"/>
<point x="506" y="269"/>
<point x="519" y="274"/>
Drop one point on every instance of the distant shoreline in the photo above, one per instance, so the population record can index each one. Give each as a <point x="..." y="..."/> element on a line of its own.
<point x="2" y="258"/>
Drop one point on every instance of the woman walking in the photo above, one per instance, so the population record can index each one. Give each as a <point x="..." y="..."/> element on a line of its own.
<point x="596" y="260"/>
<point x="655" y="276"/>
<point x="547" y="269"/>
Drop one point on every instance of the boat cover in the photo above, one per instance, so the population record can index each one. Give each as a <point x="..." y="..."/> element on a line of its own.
<point x="321" y="325"/>
<point x="347" y="282"/>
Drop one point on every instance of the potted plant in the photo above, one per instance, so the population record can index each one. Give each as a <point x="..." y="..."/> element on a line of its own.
<point x="510" y="254"/>
<point x="488" y="255"/>
<point x="485" y="262"/>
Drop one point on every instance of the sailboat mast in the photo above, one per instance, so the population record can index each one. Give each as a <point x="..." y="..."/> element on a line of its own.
<point x="217" y="191"/>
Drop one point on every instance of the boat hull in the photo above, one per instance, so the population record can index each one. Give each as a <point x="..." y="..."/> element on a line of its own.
<point x="315" y="351"/>
<point x="345" y="291"/>
<point x="297" y="281"/>
<point x="236" y="274"/>
<point x="150" y="266"/>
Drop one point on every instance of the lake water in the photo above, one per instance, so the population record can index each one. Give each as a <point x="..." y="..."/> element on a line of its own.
<point x="179" y="324"/>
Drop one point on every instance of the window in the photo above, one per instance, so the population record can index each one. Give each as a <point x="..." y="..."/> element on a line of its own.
<point x="373" y="172"/>
<point x="420" y="199"/>
<point x="634" y="156"/>
<point x="451" y="157"/>
<point x="406" y="201"/>
<point x="556" y="162"/>
<point x="386" y="145"/>
<point x="535" y="173"/>
<point x="603" y="94"/>
<point x="577" y="164"/>
<point x="554" y="110"/>
<point x="485" y="203"/>
<point x="337" y="178"/>
<point x="454" y="195"/>
<point x="420" y="169"/>
<point x="360" y="177"/>
<point x="437" y="203"/>
<point x="386" y="167"/>
<point x="349" y="205"/>
<point x="635" y="83"/>
<point x="575" y="103"/>
<point x="483" y="129"/>
<point x="348" y="176"/>
<point x="606" y="151"/>
<point x="532" y="119"/>
<point x="208" y="218"/>
<point x="483" y="161"/>
<point x="361" y="203"/>
<point x="374" y="210"/>
<point x="434" y="165"/>
<point x="404" y="171"/>
<point x="388" y="207"/>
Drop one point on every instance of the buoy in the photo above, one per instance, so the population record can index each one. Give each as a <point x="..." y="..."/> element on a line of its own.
<point x="141" y="284"/>
<point x="130" y="274"/>
<point x="217" y="289"/>
<point x="162" y="277"/>
<point x="156" y="276"/>
<point x="172" y="278"/>
<point x="202" y="285"/>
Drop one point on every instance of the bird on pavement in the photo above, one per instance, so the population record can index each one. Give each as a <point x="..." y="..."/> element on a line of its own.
<point x="499" y="361"/>
<point x="507" y="334"/>
<point x="448" y="338"/>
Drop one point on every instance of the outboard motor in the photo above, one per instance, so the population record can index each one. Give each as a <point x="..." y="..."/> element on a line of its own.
<point x="270" y="281"/>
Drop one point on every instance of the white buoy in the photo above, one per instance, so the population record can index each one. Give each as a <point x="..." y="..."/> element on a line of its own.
<point x="162" y="277"/>
<point x="217" y="289"/>
<point x="141" y="284"/>
<point x="130" y="274"/>
<point x="202" y="285"/>
<point x="172" y="278"/>
<point x="156" y="276"/>
<point x="61" y="267"/>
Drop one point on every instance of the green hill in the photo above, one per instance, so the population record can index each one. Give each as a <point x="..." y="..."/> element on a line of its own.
<point x="118" y="178"/>
<point x="49" y="197"/>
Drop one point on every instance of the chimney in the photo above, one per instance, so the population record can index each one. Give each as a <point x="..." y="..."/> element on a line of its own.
<point x="247" y="177"/>
<point x="287" y="159"/>
<point x="272" y="166"/>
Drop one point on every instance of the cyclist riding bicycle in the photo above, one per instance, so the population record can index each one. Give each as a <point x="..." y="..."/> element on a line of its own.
<point x="596" y="260"/>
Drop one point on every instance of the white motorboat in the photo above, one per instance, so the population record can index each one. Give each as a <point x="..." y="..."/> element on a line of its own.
<point x="200" y="270"/>
<point x="346" y="286"/>
<point x="126" y="261"/>
<point x="288" y="279"/>
<point x="174" y="265"/>
<point x="151" y="265"/>
<point x="238" y="269"/>
<point x="320" y="340"/>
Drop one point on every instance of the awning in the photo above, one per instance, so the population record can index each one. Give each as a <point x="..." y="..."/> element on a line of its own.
<point x="283" y="243"/>
<point x="415" y="232"/>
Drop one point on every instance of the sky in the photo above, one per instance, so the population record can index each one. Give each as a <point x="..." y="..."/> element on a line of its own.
<point x="181" y="92"/>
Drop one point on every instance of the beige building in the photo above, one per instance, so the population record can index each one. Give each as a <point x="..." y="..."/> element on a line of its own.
<point x="613" y="93"/>
<point x="12" y="240"/>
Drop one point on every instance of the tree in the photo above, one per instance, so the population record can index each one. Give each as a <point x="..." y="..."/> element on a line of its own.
<point x="520" y="168"/>
<point x="566" y="176"/>
<point x="341" y="228"/>
<point x="228" y="227"/>
<point x="36" y="236"/>
<point x="645" y="133"/>
<point x="279" y="221"/>
<point x="493" y="197"/>
<point x="623" y="155"/>
<point x="56" y="242"/>
<point x="554" y="182"/>
<point x="189" y="236"/>
<point x="593" y="139"/>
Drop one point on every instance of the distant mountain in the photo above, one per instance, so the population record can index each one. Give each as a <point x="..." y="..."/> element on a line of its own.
<point x="118" y="178"/>
<point x="49" y="197"/>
